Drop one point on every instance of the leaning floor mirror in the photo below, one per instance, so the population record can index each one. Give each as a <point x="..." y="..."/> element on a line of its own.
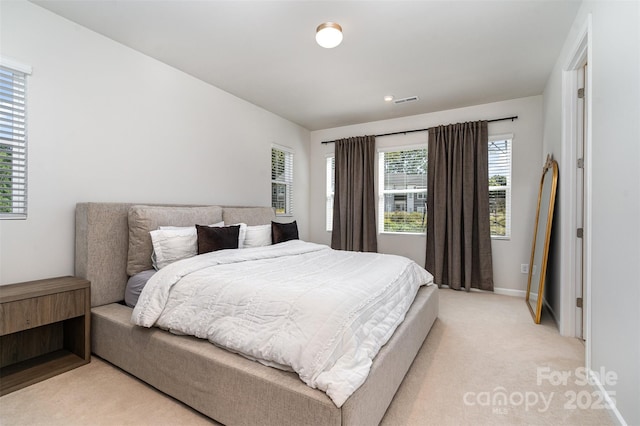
<point x="541" y="238"/>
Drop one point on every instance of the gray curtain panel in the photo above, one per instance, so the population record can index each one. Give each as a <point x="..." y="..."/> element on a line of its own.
<point x="354" y="201"/>
<point x="458" y="232"/>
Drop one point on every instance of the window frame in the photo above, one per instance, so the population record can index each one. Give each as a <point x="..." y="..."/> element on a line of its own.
<point x="508" y="188"/>
<point x="382" y="191"/>
<point x="13" y="138"/>
<point x="330" y="191"/>
<point x="287" y="180"/>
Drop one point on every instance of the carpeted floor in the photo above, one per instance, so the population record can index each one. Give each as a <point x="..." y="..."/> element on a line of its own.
<point x="484" y="363"/>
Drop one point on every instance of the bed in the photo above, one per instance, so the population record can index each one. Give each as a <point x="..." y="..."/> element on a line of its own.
<point x="227" y="387"/>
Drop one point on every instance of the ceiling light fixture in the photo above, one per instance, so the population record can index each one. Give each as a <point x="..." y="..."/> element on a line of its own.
<point x="329" y="35"/>
<point x="388" y="98"/>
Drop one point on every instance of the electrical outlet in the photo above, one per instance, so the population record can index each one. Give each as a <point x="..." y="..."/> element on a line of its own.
<point x="524" y="268"/>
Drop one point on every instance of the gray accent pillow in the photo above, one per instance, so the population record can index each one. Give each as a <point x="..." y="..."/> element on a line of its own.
<point x="144" y="219"/>
<point x="135" y="285"/>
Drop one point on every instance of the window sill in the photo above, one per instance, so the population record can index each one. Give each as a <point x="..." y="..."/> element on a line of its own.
<point x="14" y="217"/>
<point x="422" y="234"/>
<point x="499" y="238"/>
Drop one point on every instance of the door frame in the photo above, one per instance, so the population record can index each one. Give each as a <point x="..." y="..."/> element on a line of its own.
<point x="581" y="53"/>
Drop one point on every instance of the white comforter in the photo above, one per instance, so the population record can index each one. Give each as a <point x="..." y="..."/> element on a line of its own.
<point x="299" y="306"/>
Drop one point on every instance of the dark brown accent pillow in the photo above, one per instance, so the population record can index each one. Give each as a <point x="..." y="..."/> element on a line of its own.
<point x="281" y="232"/>
<point x="213" y="238"/>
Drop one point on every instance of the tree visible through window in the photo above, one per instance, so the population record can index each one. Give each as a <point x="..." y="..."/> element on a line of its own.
<point x="6" y="178"/>
<point x="13" y="140"/>
<point x="500" y="187"/>
<point x="403" y="191"/>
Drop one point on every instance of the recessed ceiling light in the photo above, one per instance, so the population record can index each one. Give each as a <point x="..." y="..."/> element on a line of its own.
<point x="388" y="98"/>
<point x="329" y="35"/>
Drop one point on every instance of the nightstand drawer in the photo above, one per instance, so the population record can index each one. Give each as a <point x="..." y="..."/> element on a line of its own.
<point x="34" y="312"/>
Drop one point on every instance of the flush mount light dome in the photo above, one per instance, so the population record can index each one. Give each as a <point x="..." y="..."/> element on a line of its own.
<point x="329" y="35"/>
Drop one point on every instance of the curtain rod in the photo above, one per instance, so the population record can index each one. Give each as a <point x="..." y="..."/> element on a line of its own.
<point x="424" y="130"/>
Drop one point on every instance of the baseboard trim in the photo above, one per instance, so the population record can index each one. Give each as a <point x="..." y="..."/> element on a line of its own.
<point x="552" y="312"/>
<point x="499" y="290"/>
<point x="611" y="405"/>
<point x="510" y="292"/>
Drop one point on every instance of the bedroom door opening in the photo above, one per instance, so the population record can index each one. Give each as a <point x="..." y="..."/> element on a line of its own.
<point x="575" y="198"/>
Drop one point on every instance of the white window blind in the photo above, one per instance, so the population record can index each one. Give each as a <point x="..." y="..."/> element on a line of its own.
<point x="13" y="144"/>
<point x="282" y="180"/>
<point x="331" y="189"/>
<point x="402" y="201"/>
<point x="500" y="186"/>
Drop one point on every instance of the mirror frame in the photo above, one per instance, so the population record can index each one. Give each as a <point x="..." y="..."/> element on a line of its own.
<point x="549" y="171"/>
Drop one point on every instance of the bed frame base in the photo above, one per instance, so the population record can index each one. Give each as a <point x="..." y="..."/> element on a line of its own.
<point x="222" y="385"/>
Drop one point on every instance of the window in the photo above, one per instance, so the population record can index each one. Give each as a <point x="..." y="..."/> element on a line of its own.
<point x="403" y="189"/>
<point x="402" y="205"/>
<point x="13" y="141"/>
<point x="500" y="186"/>
<point x="331" y="189"/>
<point x="282" y="180"/>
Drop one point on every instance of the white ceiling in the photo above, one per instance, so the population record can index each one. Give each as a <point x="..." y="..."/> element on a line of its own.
<point x="450" y="54"/>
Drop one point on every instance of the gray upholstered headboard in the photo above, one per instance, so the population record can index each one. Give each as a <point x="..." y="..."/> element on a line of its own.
<point x="102" y="243"/>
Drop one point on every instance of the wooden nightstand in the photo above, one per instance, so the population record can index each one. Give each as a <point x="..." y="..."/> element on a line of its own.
<point x="44" y="330"/>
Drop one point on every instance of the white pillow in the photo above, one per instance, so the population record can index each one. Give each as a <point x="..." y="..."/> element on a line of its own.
<point x="173" y="243"/>
<point x="241" y="234"/>
<point x="170" y="245"/>
<point x="257" y="236"/>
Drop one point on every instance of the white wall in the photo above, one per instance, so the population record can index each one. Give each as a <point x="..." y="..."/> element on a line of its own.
<point x="527" y="167"/>
<point x="614" y="339"/>
<point x="106" y="123"/>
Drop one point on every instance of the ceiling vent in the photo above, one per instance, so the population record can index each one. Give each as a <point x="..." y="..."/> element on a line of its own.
<point x="406" y="100"/>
